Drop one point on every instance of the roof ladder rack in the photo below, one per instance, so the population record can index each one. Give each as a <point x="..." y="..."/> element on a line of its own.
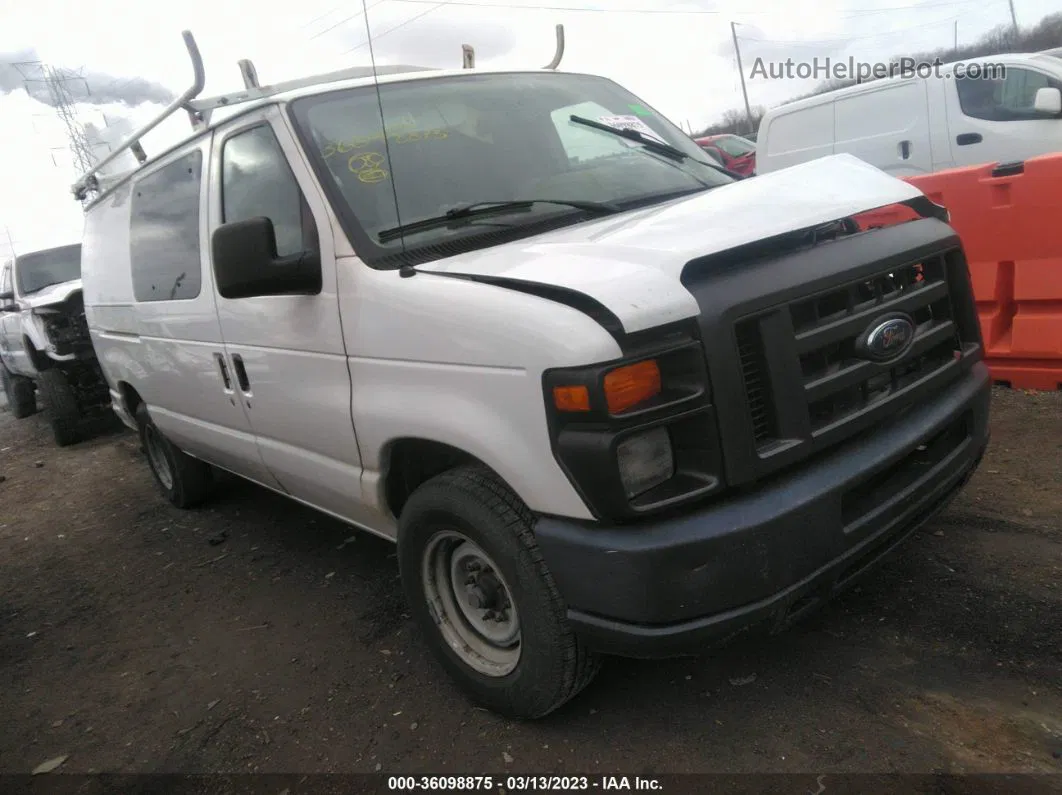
<point x="199" y="110"/>
<point x="468" y="53"/>
<point x="90" y="180"/>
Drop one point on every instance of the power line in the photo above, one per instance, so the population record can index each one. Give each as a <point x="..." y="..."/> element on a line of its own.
<point x="345" y="19"/>
<point x="842" y="14"/>
<point x="846" y="39"/>
<point x="409" y="21"/>
<point x="577" y="9"/>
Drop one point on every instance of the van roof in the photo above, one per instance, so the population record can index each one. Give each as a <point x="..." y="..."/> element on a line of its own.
<point x="383" y="76"/>
<point x="1042" y="58"/>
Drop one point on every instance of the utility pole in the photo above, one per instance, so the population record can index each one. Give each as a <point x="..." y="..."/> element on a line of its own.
<point x="1013" y="17"/>
<point x="741" y="71"/>
<point x="955" y="46"/>
<point x="58" y="81"/>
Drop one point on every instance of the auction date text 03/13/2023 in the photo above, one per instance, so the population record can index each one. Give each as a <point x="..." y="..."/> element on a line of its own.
<point x="521" y="783"/>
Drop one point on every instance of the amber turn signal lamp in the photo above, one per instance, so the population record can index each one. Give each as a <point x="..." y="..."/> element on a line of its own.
<point x="571" y="398"/>
<point x="630" y="385"/>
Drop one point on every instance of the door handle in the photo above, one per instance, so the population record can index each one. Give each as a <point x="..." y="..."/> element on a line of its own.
<point x="224" y="371"/>
<point x="241" y="374"/>
<point x="905" y="150"/>
<point x="965" y="139"/>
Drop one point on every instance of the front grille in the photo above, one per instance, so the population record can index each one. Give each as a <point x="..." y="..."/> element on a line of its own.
<point x="757" y="387"/>
<point x="803" y="375"/>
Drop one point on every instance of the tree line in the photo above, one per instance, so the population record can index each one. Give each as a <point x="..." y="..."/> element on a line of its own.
<point x="1046" y="35"/>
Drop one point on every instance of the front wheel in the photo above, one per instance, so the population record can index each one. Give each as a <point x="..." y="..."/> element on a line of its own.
<point x="483" y="597"/>
<point x="185" y="481"/>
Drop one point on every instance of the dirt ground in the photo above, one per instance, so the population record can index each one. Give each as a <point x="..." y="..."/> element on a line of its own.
<point x="256" y="635"/>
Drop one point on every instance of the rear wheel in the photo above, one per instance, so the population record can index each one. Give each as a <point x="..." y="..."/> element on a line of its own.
<point x="60" y="401"/>
<point x="20" y="394"/>
<point x="483" y="597"/>
<point x="186" y="481"/>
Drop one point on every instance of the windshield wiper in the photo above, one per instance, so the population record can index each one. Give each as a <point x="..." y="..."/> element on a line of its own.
<point x="652" y="144"/>
<point x="634" y="135"/>
<point x="480" y="209"/>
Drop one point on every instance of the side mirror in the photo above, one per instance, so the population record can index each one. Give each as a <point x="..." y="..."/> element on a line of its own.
<point x="7" y="302"/>
<point x="1048" y="101"/>
<point x="246" y="264"/>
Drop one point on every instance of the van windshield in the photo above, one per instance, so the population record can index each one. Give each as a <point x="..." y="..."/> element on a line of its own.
<point x="44" y="268"/>
<point x="448" y="142"/>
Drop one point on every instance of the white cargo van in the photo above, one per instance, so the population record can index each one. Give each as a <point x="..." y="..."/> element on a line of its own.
<point x="603" y="397"/>
<point x="914" y="125"/>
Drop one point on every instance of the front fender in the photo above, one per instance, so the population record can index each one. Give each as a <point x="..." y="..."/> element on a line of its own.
<point x="495" y="414"/>
<point x="33" y="332"/>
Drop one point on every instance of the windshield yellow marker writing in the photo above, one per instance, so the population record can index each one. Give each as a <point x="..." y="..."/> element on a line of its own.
<point x="343" y="147"/>
<point x="368" y="166"/>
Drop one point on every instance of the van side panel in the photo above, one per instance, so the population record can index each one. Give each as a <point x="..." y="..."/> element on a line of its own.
<point x="165" y="349"/>
<point x="887" y="127"/>
<point x="937" y="92"/>
<point x="798" y="136"/>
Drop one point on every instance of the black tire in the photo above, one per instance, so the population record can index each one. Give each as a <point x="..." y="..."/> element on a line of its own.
<point x="60" y="401"/>
<point x="553" y="665"/>
<point x="186" y="481"/>
<point x="21" y="395"/>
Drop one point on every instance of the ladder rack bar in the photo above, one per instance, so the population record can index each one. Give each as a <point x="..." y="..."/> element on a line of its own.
<point x="89" y="181"/>
<point x="249" y="73"/>
<point x="552" y="65"/>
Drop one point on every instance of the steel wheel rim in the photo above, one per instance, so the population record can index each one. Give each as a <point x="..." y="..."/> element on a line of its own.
<point x="471" y="604"/>
<point x="159" y="463"/>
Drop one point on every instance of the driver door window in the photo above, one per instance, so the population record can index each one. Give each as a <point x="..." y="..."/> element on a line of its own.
<point x="256" y="180"/>
<point x="1009" y="99"/>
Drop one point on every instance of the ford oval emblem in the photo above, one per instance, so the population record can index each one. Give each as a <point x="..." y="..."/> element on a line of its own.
<point x="888" y="338"/>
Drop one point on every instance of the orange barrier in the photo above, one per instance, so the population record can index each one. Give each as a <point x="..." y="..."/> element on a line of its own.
<point x="1006" y="215"/>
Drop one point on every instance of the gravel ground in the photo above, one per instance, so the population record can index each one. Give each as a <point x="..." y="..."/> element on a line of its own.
<point x="255" y="635"/>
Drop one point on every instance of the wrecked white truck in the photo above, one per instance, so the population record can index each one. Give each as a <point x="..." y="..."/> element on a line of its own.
<point x="45" y="345"/>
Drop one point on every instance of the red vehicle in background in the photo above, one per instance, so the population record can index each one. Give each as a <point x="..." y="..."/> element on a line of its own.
<point x="733" y="152"/>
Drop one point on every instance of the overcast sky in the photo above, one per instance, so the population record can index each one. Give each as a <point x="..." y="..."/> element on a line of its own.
<point x="678" y="56"/>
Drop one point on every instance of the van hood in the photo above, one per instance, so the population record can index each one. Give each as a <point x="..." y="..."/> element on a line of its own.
<point x="53" y="294"/>
<point x="632" y="263"/>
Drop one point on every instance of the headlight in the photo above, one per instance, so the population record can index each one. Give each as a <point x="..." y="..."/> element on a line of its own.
<point x="637" y="434"/>
<point x="645" y="460"/>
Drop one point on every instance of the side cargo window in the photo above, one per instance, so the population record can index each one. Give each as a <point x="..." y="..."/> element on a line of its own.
<point x="164" y="232"/>
<point x="256" y="180"/>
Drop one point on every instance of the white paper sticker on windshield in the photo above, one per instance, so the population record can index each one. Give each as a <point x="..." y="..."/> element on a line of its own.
<point x="631" y="123"/>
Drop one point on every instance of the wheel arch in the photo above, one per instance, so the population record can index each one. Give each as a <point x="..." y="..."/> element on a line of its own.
<point x="39" y="360"/>
<point x="130" y="397"/>
<point x="410" y="461"/>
